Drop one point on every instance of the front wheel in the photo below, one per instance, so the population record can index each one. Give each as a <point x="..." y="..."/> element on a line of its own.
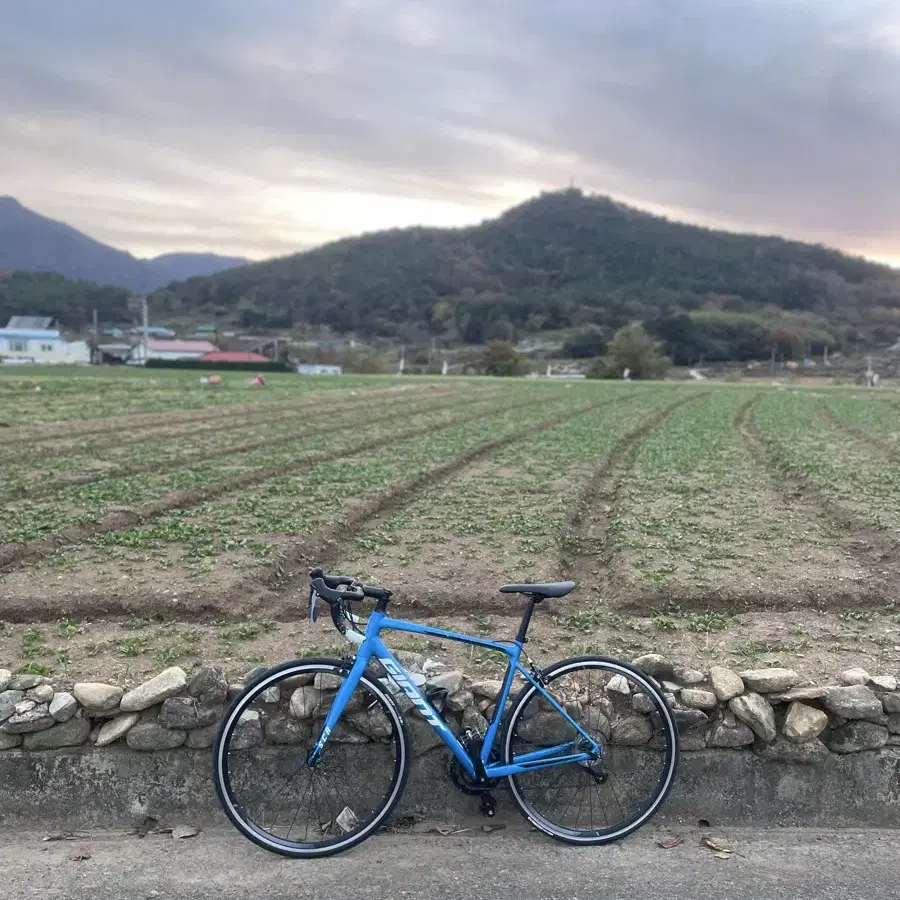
<point x="260" y="760"/>
<point x="625" y="713"/>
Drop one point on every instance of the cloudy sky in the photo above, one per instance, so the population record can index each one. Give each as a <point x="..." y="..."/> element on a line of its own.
<point x="260" y="127"/>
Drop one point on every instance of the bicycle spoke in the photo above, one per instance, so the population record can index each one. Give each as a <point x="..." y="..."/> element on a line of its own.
<point x="287" y="782"/>
<point x="293" y="821"/>
<point x="591" y="805"/>
<point x="299" y="806"/>
<point x="568" y="801"/>
<point x="612" y="788"/>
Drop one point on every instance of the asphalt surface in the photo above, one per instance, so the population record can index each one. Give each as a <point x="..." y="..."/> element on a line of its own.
<point x="505" y="864"/>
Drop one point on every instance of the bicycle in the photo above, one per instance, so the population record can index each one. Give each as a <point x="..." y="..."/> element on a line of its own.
<point x="587" y="722"/>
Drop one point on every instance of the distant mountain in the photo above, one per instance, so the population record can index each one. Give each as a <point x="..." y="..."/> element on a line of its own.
<point x="179" y="266"/>
<point x="566" y="260"/>
<point x="33" y="243"/>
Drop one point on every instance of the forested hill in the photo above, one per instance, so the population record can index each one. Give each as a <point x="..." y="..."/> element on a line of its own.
<point x="563" y="259"/>
<point x="71" y="303"/>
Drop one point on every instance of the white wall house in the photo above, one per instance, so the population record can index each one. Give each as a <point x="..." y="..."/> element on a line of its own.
<point x="157" y="348"/>
<point x="30" y="339"/>
<point x="316" y="369"/>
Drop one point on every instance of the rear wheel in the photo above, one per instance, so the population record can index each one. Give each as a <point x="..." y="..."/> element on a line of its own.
<point x="260" y="771"/>
<point x="625" y="713"/>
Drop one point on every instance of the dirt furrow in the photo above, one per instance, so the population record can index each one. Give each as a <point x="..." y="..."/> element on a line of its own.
<point x="40" y="489"/>
<point x="11" y="554"/>
<point x="324" y="547"/>
<point x="881" y="446"/>
<point x="874" y="549"/>
<point x="269" y="592"/>
<point x="227" y="413"/>
<point x="585" y="548"/>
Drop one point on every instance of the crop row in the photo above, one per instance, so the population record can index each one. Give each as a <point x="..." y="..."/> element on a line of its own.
<point x="875" y="420"/>
<point x="697" y="516"/>
<point x="70" y="395"/>
<point x="505" y="516"/>
<point x="87" y="504"/>
<point x="296" y="504"/>
<point x="843" y="468"/>
<point x="62" y="435"/>
<point x="89" y="462"/>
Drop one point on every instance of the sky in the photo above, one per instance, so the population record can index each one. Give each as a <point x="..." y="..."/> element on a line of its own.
<point x="264" y="127"/>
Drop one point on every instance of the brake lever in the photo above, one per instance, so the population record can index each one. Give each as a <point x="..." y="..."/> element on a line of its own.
<point x="339" y="616"/>
<point x="350" y="623"/>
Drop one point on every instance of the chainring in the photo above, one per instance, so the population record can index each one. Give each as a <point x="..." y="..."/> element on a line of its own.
<point x="461" y="778"/>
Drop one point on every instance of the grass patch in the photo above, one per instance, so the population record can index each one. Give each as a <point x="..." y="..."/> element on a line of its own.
<point x="132" y="647"/>
<point x="706" y="623"/>
<point x="33" y="643"/>
<point x="247" y="630"/>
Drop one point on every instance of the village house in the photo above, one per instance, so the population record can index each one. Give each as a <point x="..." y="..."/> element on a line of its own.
<point x="157" y="348"/>
<point x="31" y="339"/>
<point x="318" y="369"/>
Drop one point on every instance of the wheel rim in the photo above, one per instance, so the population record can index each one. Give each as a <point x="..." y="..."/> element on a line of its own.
<point x="264" y="781"/>
<point x="597" y="801"/>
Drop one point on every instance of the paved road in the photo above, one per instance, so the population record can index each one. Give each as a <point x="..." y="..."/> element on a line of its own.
<point x="509" y="864"/>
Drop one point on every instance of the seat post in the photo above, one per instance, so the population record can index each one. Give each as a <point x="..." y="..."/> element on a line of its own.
<point x="533" y="601"/>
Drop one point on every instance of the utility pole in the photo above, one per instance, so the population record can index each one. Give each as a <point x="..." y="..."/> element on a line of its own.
<point x="96" y="328"/>
<point x="140" y="302"/>
<point x="146" y="320"/>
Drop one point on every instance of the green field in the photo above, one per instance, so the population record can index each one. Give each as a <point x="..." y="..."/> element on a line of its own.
<point x="147" y="519"/>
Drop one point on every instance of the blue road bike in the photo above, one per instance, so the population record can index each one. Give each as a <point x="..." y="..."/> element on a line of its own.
<point x="314" y="755"/>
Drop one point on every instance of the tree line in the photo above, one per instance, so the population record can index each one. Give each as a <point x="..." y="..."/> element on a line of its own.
<point x="70" y="303"/>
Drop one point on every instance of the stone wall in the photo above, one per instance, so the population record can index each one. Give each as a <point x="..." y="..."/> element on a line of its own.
<point x="775" y="712"/>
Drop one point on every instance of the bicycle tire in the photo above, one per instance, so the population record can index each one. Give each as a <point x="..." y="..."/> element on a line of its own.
<point x="660" y="714"/>
<point x="222" y="766"/>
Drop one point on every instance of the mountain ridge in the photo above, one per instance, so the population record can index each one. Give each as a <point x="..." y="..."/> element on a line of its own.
<point x="32" y="242"/>
<point x="562" y="260"/>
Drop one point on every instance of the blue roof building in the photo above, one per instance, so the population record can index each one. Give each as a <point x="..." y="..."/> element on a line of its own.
<point x="28" y="339"/>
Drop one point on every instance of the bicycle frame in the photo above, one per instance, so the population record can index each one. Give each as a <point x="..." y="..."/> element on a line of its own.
<point x="371" y="645"/>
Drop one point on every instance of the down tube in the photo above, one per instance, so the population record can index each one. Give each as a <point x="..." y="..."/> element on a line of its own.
<point x="402" y="680"/>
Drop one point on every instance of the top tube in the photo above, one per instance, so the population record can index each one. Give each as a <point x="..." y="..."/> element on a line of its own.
<point x="511" y="648"/>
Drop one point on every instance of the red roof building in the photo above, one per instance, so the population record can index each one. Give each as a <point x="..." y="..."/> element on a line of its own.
<point x="158" y="348"/>
<point x="186" y="348"/>
<point x="234" y="356"/>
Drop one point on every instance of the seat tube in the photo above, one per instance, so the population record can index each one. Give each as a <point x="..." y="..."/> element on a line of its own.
<point x="526" y="620"/>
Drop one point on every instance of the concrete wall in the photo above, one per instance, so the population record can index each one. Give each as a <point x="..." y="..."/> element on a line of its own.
<point x="83" y="788"/>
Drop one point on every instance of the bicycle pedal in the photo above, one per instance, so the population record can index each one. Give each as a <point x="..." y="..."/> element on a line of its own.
<point x="488" y="806"/>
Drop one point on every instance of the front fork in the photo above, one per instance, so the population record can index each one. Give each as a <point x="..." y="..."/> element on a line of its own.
<point x="353" y="672"/>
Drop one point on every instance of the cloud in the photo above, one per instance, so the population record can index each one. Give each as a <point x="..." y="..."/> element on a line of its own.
<point x="263" y="128"/>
